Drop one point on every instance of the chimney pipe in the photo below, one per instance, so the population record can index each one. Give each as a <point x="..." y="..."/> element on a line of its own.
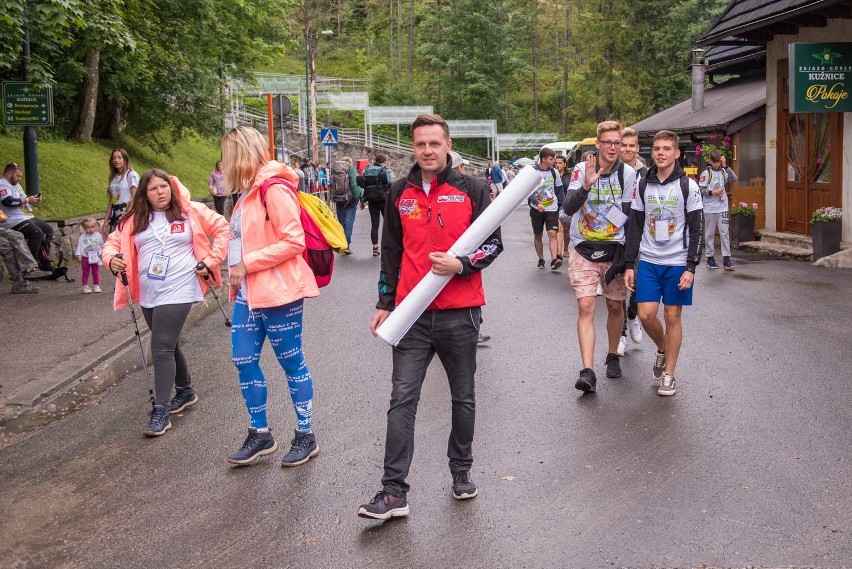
<point x="697" y="79"/>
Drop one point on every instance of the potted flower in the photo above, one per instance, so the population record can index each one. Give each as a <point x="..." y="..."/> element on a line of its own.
<point x="742" y="223"/>
<point x="825" y="231"/>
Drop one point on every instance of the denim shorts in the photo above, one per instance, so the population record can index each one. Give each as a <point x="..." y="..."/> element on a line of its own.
<point x="655" y="282"/>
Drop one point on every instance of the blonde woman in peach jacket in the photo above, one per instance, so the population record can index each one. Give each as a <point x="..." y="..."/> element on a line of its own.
<point x="162" y="243"/>
<point x="269" y="279"/>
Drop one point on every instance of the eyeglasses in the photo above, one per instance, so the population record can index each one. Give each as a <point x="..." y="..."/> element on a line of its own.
<point x="611" y="143"/>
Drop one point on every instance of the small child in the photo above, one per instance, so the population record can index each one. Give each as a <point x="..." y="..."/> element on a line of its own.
<point x="88" y="252"/>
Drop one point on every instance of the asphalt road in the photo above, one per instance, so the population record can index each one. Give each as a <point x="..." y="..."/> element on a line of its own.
<point x="748" y="464"/>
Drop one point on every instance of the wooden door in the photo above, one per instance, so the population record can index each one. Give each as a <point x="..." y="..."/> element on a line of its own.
<point x="810" y="150"/>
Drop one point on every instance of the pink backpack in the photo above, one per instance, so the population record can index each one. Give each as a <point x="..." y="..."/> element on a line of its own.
<point x="318" y="253"/>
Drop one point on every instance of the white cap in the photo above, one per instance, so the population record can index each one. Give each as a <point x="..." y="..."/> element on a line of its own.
<point x="455" y="159"/>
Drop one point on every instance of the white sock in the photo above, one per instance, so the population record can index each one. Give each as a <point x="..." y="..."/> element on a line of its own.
<point x="263" y="430"/>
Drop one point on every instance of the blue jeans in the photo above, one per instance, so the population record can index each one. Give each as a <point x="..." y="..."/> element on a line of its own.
<point x="346" y="217"/>
<point x="452" y="334"/>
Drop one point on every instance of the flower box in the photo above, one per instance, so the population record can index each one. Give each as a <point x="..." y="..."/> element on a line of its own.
<point x="742" y="229"/>
<point x="826" y="238"/>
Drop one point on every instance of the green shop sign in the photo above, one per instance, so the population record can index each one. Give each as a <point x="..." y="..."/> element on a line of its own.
<point x="26" y="104"/>
<point x="820" y="77"/>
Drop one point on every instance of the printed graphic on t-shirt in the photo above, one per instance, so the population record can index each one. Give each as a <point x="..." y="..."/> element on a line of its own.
<point x="594" y="225"/>
<point x="177" y="227"/>
<point x="662" y="213"/>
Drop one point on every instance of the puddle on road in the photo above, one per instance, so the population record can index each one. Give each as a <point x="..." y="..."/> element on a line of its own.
<point x="745" y="277"/>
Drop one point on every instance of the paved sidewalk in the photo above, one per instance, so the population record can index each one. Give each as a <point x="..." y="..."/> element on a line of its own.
<point x="46" y="329"/>
<point x="60" y="336"/>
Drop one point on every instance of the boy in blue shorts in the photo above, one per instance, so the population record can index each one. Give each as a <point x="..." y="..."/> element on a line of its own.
<point x="666" y="234"/>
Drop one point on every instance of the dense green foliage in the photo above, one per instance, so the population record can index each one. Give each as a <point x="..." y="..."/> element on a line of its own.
<point x="158" y="68"/>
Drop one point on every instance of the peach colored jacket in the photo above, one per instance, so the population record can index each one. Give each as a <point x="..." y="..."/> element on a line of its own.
<point x="276" y="272"/>
<point x="203" y="221"/>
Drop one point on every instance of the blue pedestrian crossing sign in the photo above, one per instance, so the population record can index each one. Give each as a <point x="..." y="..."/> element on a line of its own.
<point x="328" y="137"/>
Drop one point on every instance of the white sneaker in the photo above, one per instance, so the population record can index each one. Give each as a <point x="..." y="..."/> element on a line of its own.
<point x="622" y="345"/>
<point x="97" y="288"/>
<point x="668" y="386"/>
<point x="635" y="329"/>
<point x="600" y="290"/>
<point x="86" y="289"/>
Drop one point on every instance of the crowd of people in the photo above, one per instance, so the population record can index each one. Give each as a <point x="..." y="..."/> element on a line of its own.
<point x="629" y="232"/>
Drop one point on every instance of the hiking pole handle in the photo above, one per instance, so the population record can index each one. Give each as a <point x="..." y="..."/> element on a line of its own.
<point x="200" y="266"/>
<point x="122" y="274"/>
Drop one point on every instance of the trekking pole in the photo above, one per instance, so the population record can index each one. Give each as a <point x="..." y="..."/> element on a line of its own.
<point x="215" y="294"/>
<point x="123" y="276"/>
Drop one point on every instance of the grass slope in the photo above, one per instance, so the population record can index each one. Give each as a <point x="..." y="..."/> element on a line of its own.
<point x="73" y="176"/>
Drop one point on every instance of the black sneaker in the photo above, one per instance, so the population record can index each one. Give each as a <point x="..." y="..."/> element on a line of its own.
<point x="555" y="264"/>
<point x="257" y="444"/>
<point x="587" y="380"/>
<point x="384" y="506"/>
<point x="613" y="366"/>
<point x="159" y="422"/>
<point x="659" y="365"/>
<point x="463" y="486"/>
<point x="541" y="263"/>
<point x="727" y="263"/>
<point x="711" y="263"/>
<point x="303" y="447"/>
<point x="184" y="397"/>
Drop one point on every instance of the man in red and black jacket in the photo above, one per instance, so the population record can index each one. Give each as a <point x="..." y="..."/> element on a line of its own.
<point x="425" y="213"/>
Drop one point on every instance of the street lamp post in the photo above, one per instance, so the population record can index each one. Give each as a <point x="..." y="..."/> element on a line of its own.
<point x="310" y="93"/>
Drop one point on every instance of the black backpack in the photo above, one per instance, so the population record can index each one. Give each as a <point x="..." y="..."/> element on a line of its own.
<point x="376" y="184"/>
<point x="59" y="268"/>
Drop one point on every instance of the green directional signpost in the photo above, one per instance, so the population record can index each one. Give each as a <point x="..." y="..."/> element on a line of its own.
<point x="26" y="104"/>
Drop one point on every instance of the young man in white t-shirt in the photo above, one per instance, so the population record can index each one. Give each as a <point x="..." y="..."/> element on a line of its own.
<point x="712" y="184"/>
<point x="599" y="185"/>
<point x="666" y="235"/>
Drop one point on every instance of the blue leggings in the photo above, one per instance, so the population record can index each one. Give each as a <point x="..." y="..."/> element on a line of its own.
<point x="283" y="326"/>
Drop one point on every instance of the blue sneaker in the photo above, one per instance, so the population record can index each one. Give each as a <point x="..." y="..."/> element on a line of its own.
<point x="302" y="448"/>
<point x="159" y="423"/>
<point x="257" y="444"/>
<point x="711" y="263"/>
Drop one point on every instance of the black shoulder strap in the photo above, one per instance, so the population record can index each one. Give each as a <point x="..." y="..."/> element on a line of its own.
<point x="621" y="176"/>
<point x="643" y="183"/>
<point x="684" y="188"/>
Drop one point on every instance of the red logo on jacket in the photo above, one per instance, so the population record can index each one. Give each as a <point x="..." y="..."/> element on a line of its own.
<point x="177" y="228"/>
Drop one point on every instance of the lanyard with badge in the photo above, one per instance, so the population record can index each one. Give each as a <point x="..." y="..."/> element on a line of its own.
<point x="92" y="253"/>
<point x="160" y="262"/>
<point x="661" y="226"/>
<point x="235" y="245"/>
<point x="613" y="213"/>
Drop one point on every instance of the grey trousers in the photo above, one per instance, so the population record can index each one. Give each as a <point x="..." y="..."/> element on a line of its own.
<point x="711" y="220"/>
<point x="170" y="369"/>
<point x="16" y="254"/>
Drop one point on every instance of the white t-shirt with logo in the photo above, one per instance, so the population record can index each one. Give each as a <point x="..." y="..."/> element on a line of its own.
<point x="119" y="186"/>
<point x="665" y="203"/>
<point x="546" y="192"/>
<point x="174" y="240"/>
<point x="590" y="223"/>
<point x="16" y="214"/>
<point x="89" y="243"/>
<point x="715" y="180"/>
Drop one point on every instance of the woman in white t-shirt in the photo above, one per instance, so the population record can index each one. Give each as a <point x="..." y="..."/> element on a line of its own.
<point x="162" y="244"/>
<point x="123" y="181"/>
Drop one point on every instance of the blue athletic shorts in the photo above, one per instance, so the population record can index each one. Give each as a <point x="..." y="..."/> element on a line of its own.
<point x="655" y="282"/>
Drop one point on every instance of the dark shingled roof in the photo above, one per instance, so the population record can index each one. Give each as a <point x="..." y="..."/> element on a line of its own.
<point x="727" y="108"/>
<point x="735" y="59"/>
<point x="743" y="16"/>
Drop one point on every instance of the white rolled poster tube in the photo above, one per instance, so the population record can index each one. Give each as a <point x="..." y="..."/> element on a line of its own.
<point x="400" y="321"/>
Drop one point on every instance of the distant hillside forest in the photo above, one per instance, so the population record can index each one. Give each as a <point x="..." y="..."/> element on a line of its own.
<point x="159" y="68"/>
